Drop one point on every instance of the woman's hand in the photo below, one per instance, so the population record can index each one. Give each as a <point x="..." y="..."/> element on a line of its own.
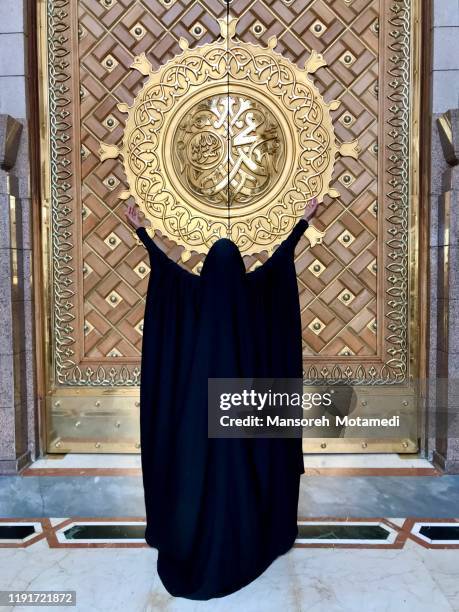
<point x="310" y="209"/>
<point x="132" y="214"/>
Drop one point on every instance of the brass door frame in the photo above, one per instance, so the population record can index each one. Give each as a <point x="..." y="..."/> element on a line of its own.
<point x="123" y="400"/>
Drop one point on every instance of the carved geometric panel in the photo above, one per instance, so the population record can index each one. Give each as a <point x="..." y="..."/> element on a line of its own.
<point x="353" y="285"/>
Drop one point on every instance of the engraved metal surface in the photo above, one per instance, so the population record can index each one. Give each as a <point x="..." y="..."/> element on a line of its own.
<point x="90" y="252"/>
<point x="228" y="139"/>
<point x="222" y="170"/>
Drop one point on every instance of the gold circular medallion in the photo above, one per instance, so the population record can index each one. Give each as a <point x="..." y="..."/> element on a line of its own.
<point x="228" y="139"/>
<point x="228" y="151"/>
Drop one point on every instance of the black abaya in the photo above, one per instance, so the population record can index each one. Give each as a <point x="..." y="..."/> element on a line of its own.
<point x="219" y="511"/>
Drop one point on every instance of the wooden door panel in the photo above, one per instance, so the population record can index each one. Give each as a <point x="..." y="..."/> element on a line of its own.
<point x="354" y="286"/>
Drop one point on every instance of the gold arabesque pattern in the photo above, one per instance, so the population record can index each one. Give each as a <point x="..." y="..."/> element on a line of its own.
<point x="228" y="139"/>
<point x="373" y="207"/>
<point x="228" y="150"/>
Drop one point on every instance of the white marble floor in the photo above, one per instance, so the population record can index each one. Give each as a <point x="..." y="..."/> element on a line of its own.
<point x="365" y="460"/>
<point x="313" y="580"/>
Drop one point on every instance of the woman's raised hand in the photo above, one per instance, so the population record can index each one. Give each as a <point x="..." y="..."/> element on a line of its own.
<point x="132" y="214"/>
<point x="310" y="209"/>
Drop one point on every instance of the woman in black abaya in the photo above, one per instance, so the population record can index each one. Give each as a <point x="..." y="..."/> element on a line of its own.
<point x="219" y="511"/>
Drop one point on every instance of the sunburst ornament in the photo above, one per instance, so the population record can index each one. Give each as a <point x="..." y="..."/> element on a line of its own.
<point x="228" y="139"/>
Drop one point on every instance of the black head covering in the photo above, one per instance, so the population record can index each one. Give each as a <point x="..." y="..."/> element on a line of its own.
<point x="223" y="261"/>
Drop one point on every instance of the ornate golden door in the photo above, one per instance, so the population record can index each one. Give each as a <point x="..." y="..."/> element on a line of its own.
<point x="222" y="119"/>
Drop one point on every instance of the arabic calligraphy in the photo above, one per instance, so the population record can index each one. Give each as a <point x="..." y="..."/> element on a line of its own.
<point x="229" y="150"/>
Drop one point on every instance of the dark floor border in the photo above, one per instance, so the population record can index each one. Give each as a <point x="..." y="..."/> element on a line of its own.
<point x="52" y="530"/>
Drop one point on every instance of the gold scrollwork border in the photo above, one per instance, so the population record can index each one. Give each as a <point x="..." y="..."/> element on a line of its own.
<point x="60" y="239"/>
<point x="399" y="154"/>
<point x="66" y="372"/>
<point x="397" y="197"/>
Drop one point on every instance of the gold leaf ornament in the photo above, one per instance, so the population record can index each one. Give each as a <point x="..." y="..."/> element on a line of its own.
<point x="108" y="151"/>
<point x="193" y="182"/>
